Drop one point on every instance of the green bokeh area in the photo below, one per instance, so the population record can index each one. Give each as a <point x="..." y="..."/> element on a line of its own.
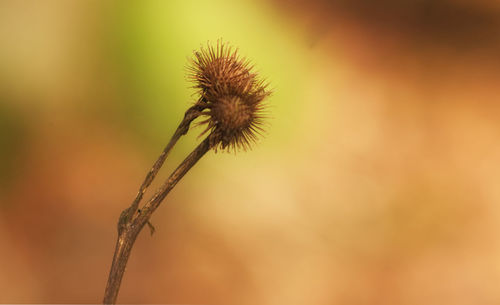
<point x="153" y="41"/>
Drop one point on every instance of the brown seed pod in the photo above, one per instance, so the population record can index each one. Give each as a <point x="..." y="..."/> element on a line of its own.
<point x="231" y="97"/>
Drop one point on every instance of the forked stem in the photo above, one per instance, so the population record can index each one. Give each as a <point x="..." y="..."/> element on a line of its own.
<point x="191" y="114"/>
<point x="230" y="97"/>
<point x="131" y="221"/>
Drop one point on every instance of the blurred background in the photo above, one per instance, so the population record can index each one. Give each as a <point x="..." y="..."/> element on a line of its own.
<point x="377" y="181"/>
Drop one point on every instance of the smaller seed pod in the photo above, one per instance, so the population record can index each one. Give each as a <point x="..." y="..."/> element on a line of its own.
<point x="231" y="97"/>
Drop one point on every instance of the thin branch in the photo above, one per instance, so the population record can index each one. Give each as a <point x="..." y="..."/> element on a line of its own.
<point x="233" y="96"/>
<point x="191" y="114"/>
<point x="129" y="228"/>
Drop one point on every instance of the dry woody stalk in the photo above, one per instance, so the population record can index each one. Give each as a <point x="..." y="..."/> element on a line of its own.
<point x="232" y="110"/>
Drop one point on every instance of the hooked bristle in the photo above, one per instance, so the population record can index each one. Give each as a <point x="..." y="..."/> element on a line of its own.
<point x="231" y="96"/>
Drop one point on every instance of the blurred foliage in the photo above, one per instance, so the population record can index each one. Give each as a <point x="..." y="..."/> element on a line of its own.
<point x="13" y="141"/>
<point x="377" y="181"/>
<point x="154" y="40"/>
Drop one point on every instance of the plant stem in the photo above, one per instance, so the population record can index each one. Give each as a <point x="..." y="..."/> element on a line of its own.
<point x="131" y="221"/>
<point x="191" y="114"/>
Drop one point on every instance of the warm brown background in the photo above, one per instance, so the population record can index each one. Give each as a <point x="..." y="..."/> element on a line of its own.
<point x="378" y="183"/>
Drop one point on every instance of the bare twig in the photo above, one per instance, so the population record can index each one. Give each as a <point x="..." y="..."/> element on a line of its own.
<point x="191" y="114"/>
<point x="129" y="227"/>
<point x="231" y="101"/>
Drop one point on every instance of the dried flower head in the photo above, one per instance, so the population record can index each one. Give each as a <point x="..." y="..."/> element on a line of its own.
<point x="231" y="96"/>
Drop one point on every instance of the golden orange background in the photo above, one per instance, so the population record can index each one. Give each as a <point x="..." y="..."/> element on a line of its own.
<point x="378" y="181"/>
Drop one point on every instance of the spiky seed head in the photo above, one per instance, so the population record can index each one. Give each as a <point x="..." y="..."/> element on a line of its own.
<point x="231" y="96"/>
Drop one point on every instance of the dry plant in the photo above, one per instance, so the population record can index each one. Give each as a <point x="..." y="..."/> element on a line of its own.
<point x="231" y="106"/>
